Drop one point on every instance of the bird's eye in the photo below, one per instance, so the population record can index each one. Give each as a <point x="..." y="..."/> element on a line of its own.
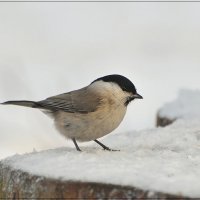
<point x="124" y="89"/>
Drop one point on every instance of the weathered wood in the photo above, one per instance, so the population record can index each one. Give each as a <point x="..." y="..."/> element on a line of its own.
<point x="15" y="184"/>
<point x="163" y="121"/>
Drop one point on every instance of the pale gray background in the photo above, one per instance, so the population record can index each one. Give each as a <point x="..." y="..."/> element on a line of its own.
<point x="51" y="48"/>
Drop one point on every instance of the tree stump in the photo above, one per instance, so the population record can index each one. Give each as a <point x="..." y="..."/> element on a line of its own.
<point x="16" y="184"/>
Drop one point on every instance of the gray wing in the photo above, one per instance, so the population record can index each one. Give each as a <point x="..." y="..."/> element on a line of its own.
<point x="78" y="101"/>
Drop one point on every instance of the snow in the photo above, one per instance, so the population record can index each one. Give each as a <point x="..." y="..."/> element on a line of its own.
<point x="185" y="106"/>
<point x="160" y="159"/>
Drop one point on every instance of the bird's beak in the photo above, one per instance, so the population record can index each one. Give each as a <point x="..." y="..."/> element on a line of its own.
<point x="137" y="96"/>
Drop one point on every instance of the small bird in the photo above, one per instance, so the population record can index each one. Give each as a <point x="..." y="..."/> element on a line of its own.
<point x="90" y="112"/>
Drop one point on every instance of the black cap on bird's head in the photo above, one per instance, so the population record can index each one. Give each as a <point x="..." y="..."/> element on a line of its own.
<point x="124" y="83"/>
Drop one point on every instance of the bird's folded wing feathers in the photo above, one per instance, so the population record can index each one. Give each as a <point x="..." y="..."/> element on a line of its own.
<point x="78" y="101"/>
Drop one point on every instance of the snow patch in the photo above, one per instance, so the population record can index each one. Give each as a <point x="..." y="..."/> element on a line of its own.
<point x="162" y="159"/>
<point x="187" y="105"/>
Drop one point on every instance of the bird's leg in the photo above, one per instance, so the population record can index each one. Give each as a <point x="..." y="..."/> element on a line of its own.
<point x="76" y="145"/>
<point x="104" y="146"/>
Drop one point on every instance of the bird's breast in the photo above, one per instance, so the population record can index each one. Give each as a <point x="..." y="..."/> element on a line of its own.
<point x="93" y="125"/>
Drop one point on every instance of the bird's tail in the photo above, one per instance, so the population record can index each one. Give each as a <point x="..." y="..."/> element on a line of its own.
<point x="30" y="104"/>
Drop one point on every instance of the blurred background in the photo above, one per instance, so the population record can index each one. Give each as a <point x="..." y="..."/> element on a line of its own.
<point x="52" y="48"/>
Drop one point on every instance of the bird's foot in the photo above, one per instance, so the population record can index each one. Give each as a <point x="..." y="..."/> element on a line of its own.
<point x="108" y="149"/>
<point x="104" y="146"/>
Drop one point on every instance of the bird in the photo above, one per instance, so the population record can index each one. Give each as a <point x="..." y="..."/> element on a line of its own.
<point x="91" y="112"/>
